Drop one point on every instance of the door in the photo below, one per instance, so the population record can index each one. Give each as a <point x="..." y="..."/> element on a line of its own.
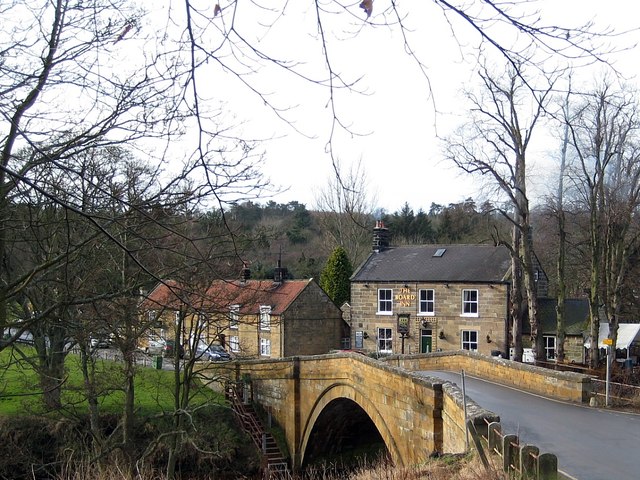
<point x="425" y="341"/>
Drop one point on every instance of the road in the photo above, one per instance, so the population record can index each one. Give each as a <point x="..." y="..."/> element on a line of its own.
<point x="590" y="443"/>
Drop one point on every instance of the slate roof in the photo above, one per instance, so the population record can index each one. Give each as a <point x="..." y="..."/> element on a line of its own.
<point x="417" y="263"/>
<point x="222" y="294"/>
<point x="576" y="316"/>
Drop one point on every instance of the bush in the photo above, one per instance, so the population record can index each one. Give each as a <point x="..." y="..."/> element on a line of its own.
<point x="40" y="447"/>
<point x="33" y="447"/>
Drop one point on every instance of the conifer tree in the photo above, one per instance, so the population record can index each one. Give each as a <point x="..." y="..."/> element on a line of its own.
<point x="335" y="276"/>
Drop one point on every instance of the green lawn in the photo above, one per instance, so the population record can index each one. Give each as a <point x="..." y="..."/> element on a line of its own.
<point x="20" y="392"/>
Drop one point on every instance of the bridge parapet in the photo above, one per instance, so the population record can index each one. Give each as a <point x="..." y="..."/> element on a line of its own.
<point x="415" y="415"/>
<point x="567" y="386"/>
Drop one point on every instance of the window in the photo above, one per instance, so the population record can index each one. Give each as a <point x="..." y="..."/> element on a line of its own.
<point x="265" y="318"/>
<point x="470" y="340"/>
<point x="550" y="347"/>
<point x="427" y="304"/>
<point x="359" y="340"/>
<point x="385" y="344"/>
<point x="234" y="343"/>
<point x="234" y="316"/>
<point x="177" y="316"/>
<point x="265" y="347"/>
<point x="154" y="319"/>
<point x="345" y="343"/>
<point x="470" y="303"/>
<point x="385" y="302"/>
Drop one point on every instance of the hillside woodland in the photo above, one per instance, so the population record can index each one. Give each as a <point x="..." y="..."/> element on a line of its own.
<point x="302" y="240"/>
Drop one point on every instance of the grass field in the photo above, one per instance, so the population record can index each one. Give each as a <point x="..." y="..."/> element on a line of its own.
<point x="20" y="391"/>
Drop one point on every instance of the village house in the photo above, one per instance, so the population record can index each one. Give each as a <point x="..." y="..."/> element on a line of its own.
<point x="425" y="298"/>
<point x="576" y="312"/>
<point x="250" y="318"/>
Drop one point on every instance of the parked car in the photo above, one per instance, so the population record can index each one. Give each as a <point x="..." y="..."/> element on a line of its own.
<point x="169" y="347"/>
<point x="99" y="342"/>
<point x="212" y="353"/>
<point x="154" y="346"/>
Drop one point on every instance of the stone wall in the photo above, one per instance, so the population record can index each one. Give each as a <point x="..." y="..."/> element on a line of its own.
<point x="416" y="416"/>
<point x="312" y="324"/>
<point x="568" y="386"/>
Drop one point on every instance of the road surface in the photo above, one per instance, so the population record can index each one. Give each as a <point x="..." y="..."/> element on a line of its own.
<point x="590" y="443"/>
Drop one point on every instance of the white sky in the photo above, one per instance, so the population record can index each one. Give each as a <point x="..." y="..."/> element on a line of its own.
<point x="401" y="153"/>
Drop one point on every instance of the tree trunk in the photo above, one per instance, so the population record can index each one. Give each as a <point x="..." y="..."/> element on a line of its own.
<point x="530" y="286"/>
<point x="562" y="288"/>
<point x="128" y="417"/>
<point x="562" y="241"/>
<point x="49" y="345"/>
<point x="516" y="296"/>
<point x="88" y="367"/>
<point x="594" y="304"/>
<point x="181" y="396"/>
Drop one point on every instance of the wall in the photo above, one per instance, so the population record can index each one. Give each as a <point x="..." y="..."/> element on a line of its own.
<point x="568" y="386"/>
<point x="312" y="324"/>
<point x="447" y="319"/>
<point x="574" y="348"/>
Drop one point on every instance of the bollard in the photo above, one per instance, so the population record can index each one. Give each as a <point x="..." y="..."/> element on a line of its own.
<point x="547" y="467"/>
<point x="494" y="436"/>
<point x="509" y="451"/>
<point x="529" y="460"/>
<point x="157" y="362"/>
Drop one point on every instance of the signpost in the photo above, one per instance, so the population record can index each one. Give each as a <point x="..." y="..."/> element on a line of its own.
<point x="609" y="343"/>
<point x="403" y="327"/>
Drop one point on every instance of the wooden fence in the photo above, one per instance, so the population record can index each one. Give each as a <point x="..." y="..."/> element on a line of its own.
<point x="521" y="461"/>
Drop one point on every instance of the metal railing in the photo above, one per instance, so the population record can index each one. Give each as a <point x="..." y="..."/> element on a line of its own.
<point x="274" y="465"/>
<point x="620" y="394"/>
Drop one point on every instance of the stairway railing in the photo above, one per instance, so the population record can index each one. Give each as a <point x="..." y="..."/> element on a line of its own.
<point x="273" y="462"/>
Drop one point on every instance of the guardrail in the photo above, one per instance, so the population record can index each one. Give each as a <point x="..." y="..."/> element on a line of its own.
<point x="524" y="461"/>
<point x="620" y="394"/>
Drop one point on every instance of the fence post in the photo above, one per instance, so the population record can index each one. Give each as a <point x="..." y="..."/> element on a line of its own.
<point x="494" y="434"/>
<point x="547" y="467"/>
<point x="508" y="451"/>
<point x="528" y="460"/>
<point x="477" y="441"/>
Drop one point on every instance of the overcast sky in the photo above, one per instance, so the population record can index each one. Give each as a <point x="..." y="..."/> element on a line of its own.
<point x="399" y="147"/>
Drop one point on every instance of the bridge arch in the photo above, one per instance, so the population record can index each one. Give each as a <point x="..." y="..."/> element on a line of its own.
<point x="344" y="391"/>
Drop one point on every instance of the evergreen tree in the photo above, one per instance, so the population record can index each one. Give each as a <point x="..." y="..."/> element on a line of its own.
<point x="335" y="276"/>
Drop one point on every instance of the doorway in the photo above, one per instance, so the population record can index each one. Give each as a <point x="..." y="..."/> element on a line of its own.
<point x="426" y="341"/>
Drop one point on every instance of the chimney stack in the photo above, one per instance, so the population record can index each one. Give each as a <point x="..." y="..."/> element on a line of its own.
<point x="245" y="273"/>
<point x="380" y="237"/>
<point x="279" y="273"/>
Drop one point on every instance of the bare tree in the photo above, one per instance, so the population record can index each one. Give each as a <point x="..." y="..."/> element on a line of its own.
<point x="69" y="50"/>
<point x="242" y="39"/>
<point x="239" y="37"/>
<point x="78" y="78"/>
<point x="495" y="144"/>
<point x="604" y="138"/>
<point x="346" y="213"/>
<point x="562" y="239"/>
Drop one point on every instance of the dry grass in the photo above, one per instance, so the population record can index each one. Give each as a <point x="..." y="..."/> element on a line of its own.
<point x="445" y="468"/>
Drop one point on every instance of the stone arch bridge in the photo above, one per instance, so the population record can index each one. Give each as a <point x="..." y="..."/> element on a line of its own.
<point x="324" y="399"/>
